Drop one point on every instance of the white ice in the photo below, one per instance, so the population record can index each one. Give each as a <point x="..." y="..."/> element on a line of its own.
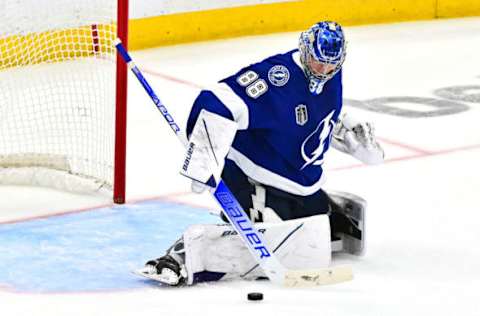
<point x="423" y="254"/>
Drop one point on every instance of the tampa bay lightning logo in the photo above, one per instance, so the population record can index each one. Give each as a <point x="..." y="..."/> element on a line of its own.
<point x="278" y="75"/>
<point x="320" y="135"/>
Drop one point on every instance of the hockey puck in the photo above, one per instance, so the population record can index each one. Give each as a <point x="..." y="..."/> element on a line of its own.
<point x="255" y="296"/>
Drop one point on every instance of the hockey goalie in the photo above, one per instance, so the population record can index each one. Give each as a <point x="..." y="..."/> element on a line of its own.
<point x="265" y="131"/>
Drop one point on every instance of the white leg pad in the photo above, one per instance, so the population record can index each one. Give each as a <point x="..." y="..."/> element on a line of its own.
<point x="298" y="244"/>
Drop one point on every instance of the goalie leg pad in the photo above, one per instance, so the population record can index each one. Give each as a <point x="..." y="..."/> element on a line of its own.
<point x="348" y="222"/>
<point x="217" y="250"/>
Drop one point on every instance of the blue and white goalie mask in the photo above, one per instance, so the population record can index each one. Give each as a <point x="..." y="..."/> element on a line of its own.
<point x="322" y="53"/>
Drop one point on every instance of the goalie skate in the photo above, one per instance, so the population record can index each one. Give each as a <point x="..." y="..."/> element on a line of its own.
<point x="165" y="270"/>
<point x="348" y="223"/>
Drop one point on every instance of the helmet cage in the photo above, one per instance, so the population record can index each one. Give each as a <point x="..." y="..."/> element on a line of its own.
<point x="310" y="49"/>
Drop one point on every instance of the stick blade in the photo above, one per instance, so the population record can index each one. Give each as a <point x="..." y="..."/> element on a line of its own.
<point x="314" y="277"/>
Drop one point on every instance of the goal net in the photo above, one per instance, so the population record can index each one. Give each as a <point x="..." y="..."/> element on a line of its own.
<point x="60" y="92"/>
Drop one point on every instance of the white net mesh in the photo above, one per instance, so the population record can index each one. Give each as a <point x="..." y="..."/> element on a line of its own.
<point x="57" y="89"/>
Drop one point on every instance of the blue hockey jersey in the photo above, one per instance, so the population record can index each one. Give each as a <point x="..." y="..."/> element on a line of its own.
<point x="284" y="130"/>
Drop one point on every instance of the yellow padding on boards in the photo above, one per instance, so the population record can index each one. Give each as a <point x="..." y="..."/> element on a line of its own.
<point x="225" y="23"/>
<point x="269" y="18"/>
<point x="458" y="8"/>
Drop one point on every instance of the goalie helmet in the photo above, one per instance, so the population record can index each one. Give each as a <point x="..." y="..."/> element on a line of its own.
<point x="322" y="53"/>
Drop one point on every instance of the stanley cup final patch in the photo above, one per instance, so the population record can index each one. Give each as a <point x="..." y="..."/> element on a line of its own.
<point x="301" y="114"/>
<point x="278" y="75"/>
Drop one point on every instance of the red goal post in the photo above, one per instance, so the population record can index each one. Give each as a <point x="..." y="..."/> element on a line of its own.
<point x="63" y="95"/>
<point x="121" y="113"/>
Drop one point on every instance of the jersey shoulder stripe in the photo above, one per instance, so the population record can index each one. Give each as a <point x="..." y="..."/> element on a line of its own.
<point x="233" y="102"/>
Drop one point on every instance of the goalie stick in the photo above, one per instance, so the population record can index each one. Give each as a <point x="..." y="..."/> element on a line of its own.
<point x="254" y="241"/>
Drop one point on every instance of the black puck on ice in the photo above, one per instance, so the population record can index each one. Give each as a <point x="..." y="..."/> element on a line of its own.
<point x="255" y="296"/>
